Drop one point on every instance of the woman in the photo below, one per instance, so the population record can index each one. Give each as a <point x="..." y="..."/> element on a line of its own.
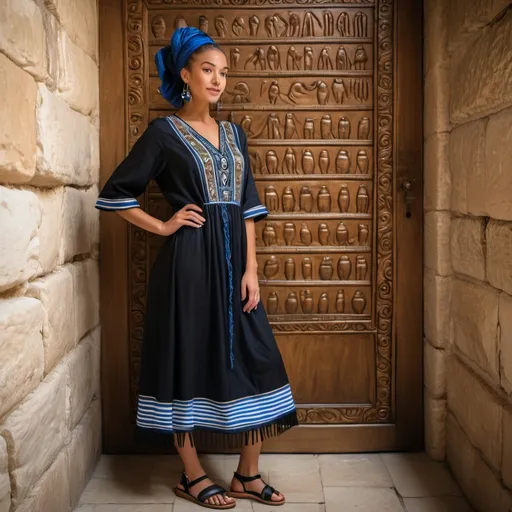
<point x="210" y="365"/>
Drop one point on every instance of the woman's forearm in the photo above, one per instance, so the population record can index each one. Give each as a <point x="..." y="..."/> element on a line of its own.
<point x="252" y="263"/>
<point x="142" y="219"/>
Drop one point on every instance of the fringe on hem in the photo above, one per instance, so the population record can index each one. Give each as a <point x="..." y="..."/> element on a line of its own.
<point x="223" y="440"/>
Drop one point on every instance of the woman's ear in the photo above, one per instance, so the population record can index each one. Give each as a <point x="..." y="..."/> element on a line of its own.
<point x="185" y="75"/>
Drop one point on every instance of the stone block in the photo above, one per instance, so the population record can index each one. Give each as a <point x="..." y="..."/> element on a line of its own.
<point x="437" y="173"/>
<point x="84" y="450"/>
<point x="477" y="409"/>
<point x="499" y="255"/>
<point x="476" y="478"/>
<point x="35" y="432"/>
<point x="86" y="288"/>
<point x="55" y="291"/>
<point x="18" y="127"/>
<point x="475" y="321"/>
<point x="467" y="166"/>
<point x="81" y="222"/>
<point x="78" y="78"/>
<point x="437" y="242"/>
<point x="20" y="217"/>
<point x="21" y="346"/>
<point x="51" y="493"/>
<point x="63" y="143"/>
<point x="83" y="377"/>
<point x="435" y="426"/>
<point x="95" y="155"/>
<point x="434" y="370"/>
<point x="467" y="247"/>
<point x="505" y="344"/>
<point x="5" y="484"/>
<point x="437" y="298"/>
<point x="437" y="99"/>
<point x="50" y="230"/>
<point x="498" y="153"/>
<point x="436" y="34"/>
<point x="22" y="37"/>
<point x="468" y="17"/>
<point x="506" y="468"/>
<point x="480" y="76"/>
<point x="80" y="20"/>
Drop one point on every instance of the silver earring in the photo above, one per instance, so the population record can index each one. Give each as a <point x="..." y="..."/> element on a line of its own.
<point x="185" y="95"/>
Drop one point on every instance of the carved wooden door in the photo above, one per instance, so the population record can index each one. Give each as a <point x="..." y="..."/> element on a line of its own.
<point x="329" y="94"/>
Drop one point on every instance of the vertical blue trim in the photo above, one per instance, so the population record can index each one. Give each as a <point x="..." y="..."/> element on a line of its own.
<point x="227" y="250"/>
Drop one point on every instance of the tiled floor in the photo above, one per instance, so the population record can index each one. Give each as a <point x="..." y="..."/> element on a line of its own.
<point x="388" y="482"/>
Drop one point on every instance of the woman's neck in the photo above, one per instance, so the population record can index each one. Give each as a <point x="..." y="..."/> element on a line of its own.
<point x="193" y="112"/>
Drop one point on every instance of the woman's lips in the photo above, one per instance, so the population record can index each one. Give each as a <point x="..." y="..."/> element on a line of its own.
<point x="214" y="91"/>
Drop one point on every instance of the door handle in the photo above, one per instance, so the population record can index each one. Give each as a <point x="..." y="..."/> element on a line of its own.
<point x="409" y="198"/>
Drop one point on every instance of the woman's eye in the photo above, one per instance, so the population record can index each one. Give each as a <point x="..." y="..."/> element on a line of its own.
<point x="224" y="75"/>
<point x="206" y="69"/>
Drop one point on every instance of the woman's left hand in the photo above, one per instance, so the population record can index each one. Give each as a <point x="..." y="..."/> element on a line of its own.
<point x="251" y="289"/>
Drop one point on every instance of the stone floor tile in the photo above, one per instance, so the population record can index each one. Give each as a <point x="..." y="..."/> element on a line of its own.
<point x="84" y="508"/>
<point x="439" y="504"/>
<point x="361" y="499"/>
<point x="182" y="505"/>
<point x="415" y="475"/>
<point x="289" y="507"/>
<point x="129" y="480"/>
<point x="354" y="470"/>
<point x="296" y="476"/>
<point x="133" y="508"/>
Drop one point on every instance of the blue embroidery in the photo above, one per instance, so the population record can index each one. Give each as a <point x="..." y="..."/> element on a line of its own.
<point x="227" y="250"/>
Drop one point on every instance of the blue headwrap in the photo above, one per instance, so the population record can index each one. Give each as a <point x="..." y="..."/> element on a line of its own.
<point x="171" y="59"/>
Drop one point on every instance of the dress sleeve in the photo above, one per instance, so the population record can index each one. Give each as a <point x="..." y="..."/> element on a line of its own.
<point x="251" y="204"/>
<point x="131" y="177"/>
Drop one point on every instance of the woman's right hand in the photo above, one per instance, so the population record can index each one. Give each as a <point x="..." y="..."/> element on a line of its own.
<point x="187" y="216"/>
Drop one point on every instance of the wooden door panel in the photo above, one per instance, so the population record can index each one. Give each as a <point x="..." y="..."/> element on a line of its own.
<point x="314" y="86"/>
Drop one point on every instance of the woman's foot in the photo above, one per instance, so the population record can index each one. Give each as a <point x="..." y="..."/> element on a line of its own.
<point x="254" y="486"/>
<point x="218" y="499"/>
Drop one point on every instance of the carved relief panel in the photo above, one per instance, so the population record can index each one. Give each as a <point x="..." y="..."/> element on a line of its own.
<point x="311" y="85"/>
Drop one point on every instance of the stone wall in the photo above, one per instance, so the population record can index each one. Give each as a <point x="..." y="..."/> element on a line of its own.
<point x="50" y="414"/>
<point x="468" y="245"/>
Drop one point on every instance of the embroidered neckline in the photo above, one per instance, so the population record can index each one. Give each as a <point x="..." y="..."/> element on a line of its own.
<point x="203" y="139"/>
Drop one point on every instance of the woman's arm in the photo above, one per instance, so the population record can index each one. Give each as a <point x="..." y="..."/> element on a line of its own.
<point x="187" y="216"/>
<point x="250" y="278"/>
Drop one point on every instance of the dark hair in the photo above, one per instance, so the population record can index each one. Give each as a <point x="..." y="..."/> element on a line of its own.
<point x="200" y="50"/>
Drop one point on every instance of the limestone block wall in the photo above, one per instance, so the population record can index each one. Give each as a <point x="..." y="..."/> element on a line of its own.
<point x="468" y="245"/>
<point x="50" y="412"/>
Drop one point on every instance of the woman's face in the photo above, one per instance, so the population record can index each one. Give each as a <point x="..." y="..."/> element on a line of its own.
<point x="207" y="76"/>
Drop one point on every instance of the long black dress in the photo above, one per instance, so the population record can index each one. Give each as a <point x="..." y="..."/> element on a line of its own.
<point x="206" y="366"/>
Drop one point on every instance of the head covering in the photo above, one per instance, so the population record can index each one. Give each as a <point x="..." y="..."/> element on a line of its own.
<point x="171" y="59"/>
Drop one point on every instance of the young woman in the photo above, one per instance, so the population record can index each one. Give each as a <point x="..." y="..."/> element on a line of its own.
<point x="210" y="366"/>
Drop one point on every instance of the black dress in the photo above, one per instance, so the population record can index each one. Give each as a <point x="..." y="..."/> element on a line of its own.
<point x="206" y="366"/>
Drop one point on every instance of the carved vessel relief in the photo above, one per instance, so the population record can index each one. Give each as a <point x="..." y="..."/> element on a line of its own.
<point x="279" y="25"/>
<point x="297" y="161"/>
<point x="315" y="301"/>
<point x="313" y="233"/>
<point x="313" y="198"/>
<point x="282" y="267"/>
<point x="300" y="126"/>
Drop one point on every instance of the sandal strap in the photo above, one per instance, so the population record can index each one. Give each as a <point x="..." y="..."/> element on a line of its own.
<point x="210" y="491"/>
<point x="243" y="478"/>
<point x="266" y="493"/>
<point x="196" y="481"/>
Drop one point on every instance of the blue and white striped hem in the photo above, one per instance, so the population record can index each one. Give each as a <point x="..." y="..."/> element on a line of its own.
<point x="243" y="413"/>
<point x="116" y="204"/>
<point x="255" y="211"/>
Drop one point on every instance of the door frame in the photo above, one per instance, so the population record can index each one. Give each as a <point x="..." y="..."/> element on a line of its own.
<point x="407" y="147"/>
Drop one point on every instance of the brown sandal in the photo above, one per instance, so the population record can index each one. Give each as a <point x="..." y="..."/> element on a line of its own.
<point x="206" y="493"/>
<point x="265" y="496"/>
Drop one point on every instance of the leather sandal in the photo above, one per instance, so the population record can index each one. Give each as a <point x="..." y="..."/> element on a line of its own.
<point x="265" y="496"/>
<point x="206" y="493"/>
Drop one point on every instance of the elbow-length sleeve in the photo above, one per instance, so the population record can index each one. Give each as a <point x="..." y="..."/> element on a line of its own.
<point x="250" y="203"/>
<point x="131" y="177"/>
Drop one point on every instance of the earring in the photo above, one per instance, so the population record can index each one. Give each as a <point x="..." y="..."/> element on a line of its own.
<point x="185" y="95"/>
